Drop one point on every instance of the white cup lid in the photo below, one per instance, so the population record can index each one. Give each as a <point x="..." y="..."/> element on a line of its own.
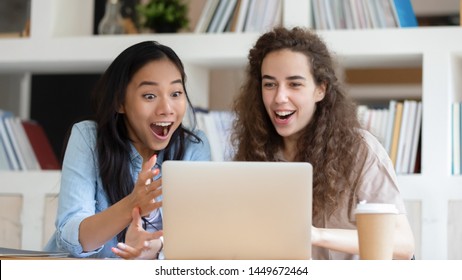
<point x="369" y="208"/>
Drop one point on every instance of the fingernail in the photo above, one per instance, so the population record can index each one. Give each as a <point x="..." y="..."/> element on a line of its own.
<point x="121" y="245"/>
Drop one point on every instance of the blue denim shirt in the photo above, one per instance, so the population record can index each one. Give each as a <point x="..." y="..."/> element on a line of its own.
<point x="82" y="195"/>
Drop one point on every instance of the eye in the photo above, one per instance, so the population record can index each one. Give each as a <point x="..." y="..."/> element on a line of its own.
<point x="269" y="85"/>
<point x="149" y="96"/>
<point x="295" y="84"/>
<point x="176" y="93"/>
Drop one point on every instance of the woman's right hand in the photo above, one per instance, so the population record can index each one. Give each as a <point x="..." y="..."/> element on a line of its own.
<point x="146" y="190"/>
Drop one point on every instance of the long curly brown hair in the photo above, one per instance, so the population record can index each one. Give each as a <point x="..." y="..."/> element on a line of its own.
<point x="330" y="142"/>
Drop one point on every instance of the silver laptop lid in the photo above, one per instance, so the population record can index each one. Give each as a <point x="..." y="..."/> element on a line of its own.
<point x="237" y="210"/>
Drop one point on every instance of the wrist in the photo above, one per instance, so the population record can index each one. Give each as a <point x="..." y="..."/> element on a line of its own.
<point x="161" y="247"/>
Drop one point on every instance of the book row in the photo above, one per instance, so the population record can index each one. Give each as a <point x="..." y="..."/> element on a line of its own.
<point x="362" y="14"/>
<point x="260" y="15"/>
<point x="24" y="145"/>
<point x="397" y="127"/>
<point x="456" y="138"/>
<point x="239" y="16"/>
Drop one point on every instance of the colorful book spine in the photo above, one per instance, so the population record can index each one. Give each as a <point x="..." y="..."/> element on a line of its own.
<point x="41" y="145"/>
<point x="404" y="13"/>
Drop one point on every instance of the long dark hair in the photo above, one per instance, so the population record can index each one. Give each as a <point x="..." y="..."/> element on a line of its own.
<point x="113" y="143"/>
<point x="333" y="131"/>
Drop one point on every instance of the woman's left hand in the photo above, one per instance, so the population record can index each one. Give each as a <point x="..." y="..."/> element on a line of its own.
<point x="139" y="244"/>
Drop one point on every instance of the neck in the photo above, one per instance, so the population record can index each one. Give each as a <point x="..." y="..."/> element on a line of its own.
<point x="290" y="148"/>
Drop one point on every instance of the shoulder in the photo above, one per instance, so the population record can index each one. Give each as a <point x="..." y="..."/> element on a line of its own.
<point x="379" y="181"/>
<point x="85" y="127"/>
<point x="84" y="131"/>
<point x="375" y="161"/>
<point x="373" y="147"/>
<point x="197" y="148"/>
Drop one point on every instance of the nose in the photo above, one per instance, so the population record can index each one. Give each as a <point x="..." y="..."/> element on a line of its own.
<point x="281" y="95"/>
<point x="164" y="107"/>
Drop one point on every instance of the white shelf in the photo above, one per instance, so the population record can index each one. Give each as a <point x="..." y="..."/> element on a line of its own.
<point x="355" y="48"/>
<point x="93" y="54"/>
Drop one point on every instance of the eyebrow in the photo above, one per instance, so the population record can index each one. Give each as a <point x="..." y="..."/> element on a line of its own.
<point x="151" y="83"/>
<point x="296" y="77"/>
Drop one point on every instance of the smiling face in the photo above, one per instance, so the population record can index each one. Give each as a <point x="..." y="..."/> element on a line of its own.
<point x="289" y="92"/>
<point x="154" y="106"/>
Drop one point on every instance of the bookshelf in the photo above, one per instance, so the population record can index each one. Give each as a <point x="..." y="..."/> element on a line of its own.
<point x="434" y="197"/>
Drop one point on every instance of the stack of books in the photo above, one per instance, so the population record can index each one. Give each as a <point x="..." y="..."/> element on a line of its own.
<point x="239" y="16"/>
<point x="24" y="145"/>
<point x="398" y="128"/>
<point x="362" y="14"/>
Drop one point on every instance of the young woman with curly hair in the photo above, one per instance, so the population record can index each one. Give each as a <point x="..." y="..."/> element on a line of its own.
<point x="293" y="108"/>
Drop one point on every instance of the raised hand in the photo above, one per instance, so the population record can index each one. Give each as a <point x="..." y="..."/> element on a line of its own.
<point x="146" y="189"/>
<point x="139" y="244"/>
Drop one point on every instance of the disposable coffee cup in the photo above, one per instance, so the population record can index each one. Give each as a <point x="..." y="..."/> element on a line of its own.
<point x="376" y="226"/>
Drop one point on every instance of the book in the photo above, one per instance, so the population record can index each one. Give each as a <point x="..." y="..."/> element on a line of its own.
<point x="231" y="26"/>
<point x="6" y="138"/>
<point x="13" y="150"/>
<point x="348" y="13"/>
<point x="408" y="138"/>
<point x="404" y="13"/>
<point x="271" y="15"/>
<point x="390" y="122"/>
<point x="415" y="138"/>
<point x="14" y="139"/>
<point x="460" y="135"/>
<point x="318" y="21"/>
<point x="387" y="10"/>
<point x="41" y="145"/>
<point x="403" y="136"/>
<point x="326" y="9"/>
<point x="217" y="16"/>
<point x="19" y="253"/>
<point x="297" y="13"/>
<point x="227" y="16"/>
<point x="456" y="116"/>
<point x="365" y="13"/>
<point x="241" y="15"/>
<point x="226" y="120"/>
<point x="216" y="145"/>
<point x="396" y="130"/>
<point x="357" y="13"/>
<point x="374" y="14"/>
<point x="206" y="16"/>
<point x="24" y="147"/>
<point x="255" y="16"/>
<point x="4" y="162"/>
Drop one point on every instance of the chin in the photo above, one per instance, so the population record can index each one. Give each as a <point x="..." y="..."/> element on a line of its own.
<point x="160" y="146"/>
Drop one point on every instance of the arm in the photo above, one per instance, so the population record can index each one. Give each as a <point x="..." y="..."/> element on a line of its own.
<point x="81" y="197"/>
<point x="346" y="240"/>
<point x="97" y="229"/>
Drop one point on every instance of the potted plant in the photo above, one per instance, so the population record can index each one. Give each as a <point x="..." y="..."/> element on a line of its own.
<point x="163" y="16"/>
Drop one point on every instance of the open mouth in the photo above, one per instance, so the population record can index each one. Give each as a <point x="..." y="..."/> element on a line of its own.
<point x="283" y="115"/>
<point x="161" y="128"/>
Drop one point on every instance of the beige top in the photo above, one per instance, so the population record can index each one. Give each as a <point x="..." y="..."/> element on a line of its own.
<point x="379" y="184"/>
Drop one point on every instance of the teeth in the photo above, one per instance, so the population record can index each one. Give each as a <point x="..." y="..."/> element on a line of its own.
<point x="284" y="113"/>
<point x="165" y="131"/>
<point x="163" y="123"/>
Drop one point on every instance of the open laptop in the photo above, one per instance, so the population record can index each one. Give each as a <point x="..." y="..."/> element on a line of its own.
<point x="237" y="210"/>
